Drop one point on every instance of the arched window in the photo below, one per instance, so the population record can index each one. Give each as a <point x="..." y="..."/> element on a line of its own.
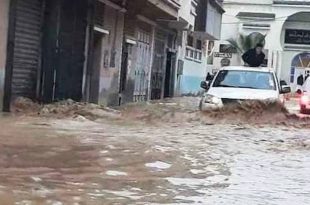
<point x="300" y="66"/>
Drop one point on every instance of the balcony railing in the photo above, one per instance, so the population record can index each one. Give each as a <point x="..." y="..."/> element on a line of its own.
<point x="170" y="7"/>
<point x="174" y="3"/>
<point x="193" y="54"/>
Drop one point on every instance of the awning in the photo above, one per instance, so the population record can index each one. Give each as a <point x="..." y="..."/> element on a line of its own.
<point x="204" y="35"/>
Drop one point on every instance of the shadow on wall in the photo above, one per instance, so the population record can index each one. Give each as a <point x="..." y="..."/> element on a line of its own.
<point x="127" y="95"/>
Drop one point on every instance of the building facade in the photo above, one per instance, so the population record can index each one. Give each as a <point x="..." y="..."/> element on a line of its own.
<point x="102" y="51"/>
<point x="204" y="19"/>
<point x="149" y="55"/>
<point x="62" y="49"/>
<point x="285" y="24"/>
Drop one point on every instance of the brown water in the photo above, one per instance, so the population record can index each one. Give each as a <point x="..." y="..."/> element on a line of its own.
<point x="180" y="159"/>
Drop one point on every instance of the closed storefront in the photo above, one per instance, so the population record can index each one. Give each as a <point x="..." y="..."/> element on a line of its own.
<point x="48" y="49"/>
<point x="158" y="68"/>
<point x="46" y="56"/>
<point x="142" y="68"/>
<point x="27" y="47"/>
<point x="64" y="50"/>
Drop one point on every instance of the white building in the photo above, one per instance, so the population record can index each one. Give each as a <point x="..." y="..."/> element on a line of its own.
<point x="286" y="24"/>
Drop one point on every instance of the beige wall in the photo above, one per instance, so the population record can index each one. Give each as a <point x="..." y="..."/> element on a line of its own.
<point x="4" y="13"/>
<point x="109" y="75"/>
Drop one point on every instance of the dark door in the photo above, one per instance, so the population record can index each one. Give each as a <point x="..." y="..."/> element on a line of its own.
<point x="64" y="49"/>
<point x="95" y="70"/>
<point x="157" y="79"/>
<point x="124" y="70"/>
<point x="169" y="77"/>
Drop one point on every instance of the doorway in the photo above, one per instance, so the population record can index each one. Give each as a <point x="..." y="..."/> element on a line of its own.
<point x="124" y="70"/>
<point x="169" y="77"/>
<point x="157" y="79"/>
<point x="300" y="70"/>
<point x="23" y="61"/>
<point x="64" y="39"/>
<point x="142" y="66"/>
<point x="94" y="78"/>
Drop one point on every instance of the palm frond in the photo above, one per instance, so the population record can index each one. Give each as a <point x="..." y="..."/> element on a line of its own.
<point x="235" y="44"/>
<point x="246" y="42"/>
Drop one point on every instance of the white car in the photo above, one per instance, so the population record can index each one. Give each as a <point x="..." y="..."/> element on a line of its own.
<point x="237" y="83"/>
<point x="305" y="98"/>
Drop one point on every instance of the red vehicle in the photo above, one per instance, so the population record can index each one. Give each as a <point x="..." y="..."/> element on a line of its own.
<point x="304" y="103"/>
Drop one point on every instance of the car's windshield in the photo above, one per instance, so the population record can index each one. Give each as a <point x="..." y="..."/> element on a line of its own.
<point x="245" y="79"/>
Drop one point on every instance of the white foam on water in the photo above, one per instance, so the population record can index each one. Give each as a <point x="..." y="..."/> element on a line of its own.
<point x="197" y="171"/>
<point x="115" y="173"/>
<point x="104" y="151"/>
<point x="36" y="179"/>
<point x="125" y="193"/>
<point x="158" y="165"/>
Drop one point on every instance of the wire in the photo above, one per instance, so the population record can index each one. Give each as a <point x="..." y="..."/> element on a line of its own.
<point x="256" y="20"/>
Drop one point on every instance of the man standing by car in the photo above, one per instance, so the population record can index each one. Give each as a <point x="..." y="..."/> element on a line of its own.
<point x="255" y="56"/>
<point x="307" y="75"/>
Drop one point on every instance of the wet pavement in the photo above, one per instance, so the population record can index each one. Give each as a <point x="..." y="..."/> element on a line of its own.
<point x="79" y="161"/>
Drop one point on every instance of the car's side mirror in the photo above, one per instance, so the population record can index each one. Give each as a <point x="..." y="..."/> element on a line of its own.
<point x="204" y="85"/>
<point x="283" y="83"/>
<point x="285" y="89"/>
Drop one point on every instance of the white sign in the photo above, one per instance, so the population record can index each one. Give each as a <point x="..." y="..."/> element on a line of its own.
<point x="222" y="55"/>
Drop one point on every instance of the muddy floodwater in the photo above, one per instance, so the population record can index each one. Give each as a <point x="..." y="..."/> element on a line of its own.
<point x="89" y="162"/>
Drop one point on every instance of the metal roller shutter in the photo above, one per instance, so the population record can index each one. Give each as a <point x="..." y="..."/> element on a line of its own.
<point x="27" y="49"/>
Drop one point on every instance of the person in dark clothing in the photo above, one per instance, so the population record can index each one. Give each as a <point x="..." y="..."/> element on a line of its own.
<point x="209" y="77"/>
<point x="254" y="57"/>
<point x="307" y="75"/>
<point x="300" y="80"/>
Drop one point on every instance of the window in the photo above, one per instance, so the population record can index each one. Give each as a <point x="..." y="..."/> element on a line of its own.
<point x="194" y="52"/>
<point x="199" y="44"/>
<point x="190" y="41"/>
<point x="210" y="47"/>
<point x="245" y="79"/>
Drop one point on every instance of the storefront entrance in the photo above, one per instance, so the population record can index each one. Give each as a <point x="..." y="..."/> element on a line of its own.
<point x="142" y="69"/>
<point x="46" y="55"/>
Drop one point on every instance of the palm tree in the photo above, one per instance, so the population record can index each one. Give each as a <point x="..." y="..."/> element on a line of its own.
<point x="246" y="42"/>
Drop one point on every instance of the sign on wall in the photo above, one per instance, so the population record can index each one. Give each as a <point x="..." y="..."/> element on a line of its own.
<point x="297" y="36"/>
<point x="222" y="55"/>
<point x="225" y="62"/>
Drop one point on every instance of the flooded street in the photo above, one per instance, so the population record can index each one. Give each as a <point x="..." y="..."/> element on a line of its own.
<point x="80" y="161"/>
